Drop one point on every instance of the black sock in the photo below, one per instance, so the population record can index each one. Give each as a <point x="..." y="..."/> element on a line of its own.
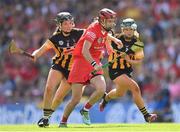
<point x="47" y="113"/>
<point x="104" y="97"/>
<point x="144" y="111"/>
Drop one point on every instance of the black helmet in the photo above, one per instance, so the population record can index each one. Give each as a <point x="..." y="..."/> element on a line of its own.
<point x="129" y="22"/>
<point x="63" y="16"/>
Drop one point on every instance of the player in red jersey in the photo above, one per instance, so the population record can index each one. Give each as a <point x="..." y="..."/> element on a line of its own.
<point x="87" y="58"/>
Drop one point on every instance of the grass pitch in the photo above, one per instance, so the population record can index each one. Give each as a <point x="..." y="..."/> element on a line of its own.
<point x="155" y="127"/>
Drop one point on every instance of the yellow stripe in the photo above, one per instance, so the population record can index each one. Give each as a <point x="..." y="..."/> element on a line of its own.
<point x="122" y="63"/>
<point x="64" y="61"/>
<point x="128" y="64"/>
<point x="115" y="62"/>
<point x="110" y="57"/>
<point x="52" y="45"/>
<point x="144" y="111"/>
<point x="57" y="51"/>
<point x="61" y="54"/>
<point x="142" y="108"/>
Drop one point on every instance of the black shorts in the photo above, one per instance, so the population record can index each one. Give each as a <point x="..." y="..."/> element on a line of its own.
<point x="64" y="71"/>
<point x="114" y="73"/>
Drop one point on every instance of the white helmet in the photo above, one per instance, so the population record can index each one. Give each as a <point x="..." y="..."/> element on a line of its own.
<point x="129" y="22"/>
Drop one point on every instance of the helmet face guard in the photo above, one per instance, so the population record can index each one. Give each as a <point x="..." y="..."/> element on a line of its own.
<point x="107" y="19"/>
<point x="63" y="16"/>
<point x="129" y="23"/>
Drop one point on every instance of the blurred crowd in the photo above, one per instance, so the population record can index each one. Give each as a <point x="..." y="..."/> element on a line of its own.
<point x="30" y="23"/>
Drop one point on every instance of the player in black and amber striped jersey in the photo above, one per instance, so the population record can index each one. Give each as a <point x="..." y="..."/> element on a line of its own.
<point x="121" y="64"/>
<point x="62" y="42"/>
<point x="121" y="69"/>
<point x="64" y="46"/>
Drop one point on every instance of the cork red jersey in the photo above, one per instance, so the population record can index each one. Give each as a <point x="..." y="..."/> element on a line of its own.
<point x="94" y="35"/>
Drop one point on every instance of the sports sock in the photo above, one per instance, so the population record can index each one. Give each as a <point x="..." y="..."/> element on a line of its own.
<point x="87" y="106"/>
<point x="47" y="113"/>
<point x="144" y="111"/>
<point x="64" y="120"/>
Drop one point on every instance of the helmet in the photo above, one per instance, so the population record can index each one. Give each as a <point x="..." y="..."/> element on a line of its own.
<point x="105" y="14"/>
<point x="63" y="16"/>
<point x="129" y="22"/>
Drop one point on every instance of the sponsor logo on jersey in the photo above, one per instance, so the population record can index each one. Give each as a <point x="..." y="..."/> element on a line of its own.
<point x="99" y="47"/>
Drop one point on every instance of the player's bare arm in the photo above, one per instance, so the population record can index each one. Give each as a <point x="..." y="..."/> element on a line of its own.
<point x="108" y="46"/>
<point x="115" y="40"/>
<point x="87" y="55"/>
<point x="43" y="49"/>
<point x="85" y="51"/>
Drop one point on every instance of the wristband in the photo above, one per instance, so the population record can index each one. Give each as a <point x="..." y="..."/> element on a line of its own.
<point x="93" y="63"/>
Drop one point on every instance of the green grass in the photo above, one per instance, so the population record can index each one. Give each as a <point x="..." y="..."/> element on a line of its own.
<point x="155" y="127"/>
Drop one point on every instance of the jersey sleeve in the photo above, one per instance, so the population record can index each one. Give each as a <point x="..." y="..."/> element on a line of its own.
<point x="53" y="39"/>
<point x="54" y="36"/>
<point x="90" y="35"/>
